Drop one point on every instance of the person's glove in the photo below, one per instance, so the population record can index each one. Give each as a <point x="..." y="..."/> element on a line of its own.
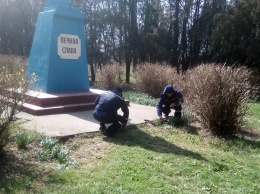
<point x="175" y="104"/>
<point x="172" y="105"/>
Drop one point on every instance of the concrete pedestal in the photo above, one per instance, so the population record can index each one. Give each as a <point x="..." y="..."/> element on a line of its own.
<point x="58" y="56"/>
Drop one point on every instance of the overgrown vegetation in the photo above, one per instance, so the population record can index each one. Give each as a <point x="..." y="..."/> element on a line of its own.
<point x="109" y="76"/>
<point x="13" y="86"/>
<point x="218" y="97"/>
<point x="152" y="78"/>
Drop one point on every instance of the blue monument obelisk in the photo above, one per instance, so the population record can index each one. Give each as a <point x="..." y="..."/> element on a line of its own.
<point x="58" y="53"/>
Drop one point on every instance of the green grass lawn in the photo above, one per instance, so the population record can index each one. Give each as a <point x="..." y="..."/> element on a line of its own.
<point x="145" y="159"/>
<point x="254" y="118"/>
<point x="140" y="98"/>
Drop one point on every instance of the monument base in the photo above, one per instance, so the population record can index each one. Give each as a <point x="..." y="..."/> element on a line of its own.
<point x="42" y="103"/>
<point x="38" y="103"/>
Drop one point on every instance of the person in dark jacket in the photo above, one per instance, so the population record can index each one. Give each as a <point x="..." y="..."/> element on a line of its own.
<point x="170" y="99"/>
<point x="107" y="105"/>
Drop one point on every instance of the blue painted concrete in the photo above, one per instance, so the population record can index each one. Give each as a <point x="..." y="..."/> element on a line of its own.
<point x="57" y="74"/>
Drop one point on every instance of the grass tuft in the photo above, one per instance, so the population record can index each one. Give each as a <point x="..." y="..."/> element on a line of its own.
<point x="22" y="140"/>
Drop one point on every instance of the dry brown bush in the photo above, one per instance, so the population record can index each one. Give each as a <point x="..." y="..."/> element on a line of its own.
<point x="255" y="80"/>
<point x="109" y="76"/>
<point x="13" y="86"/>
<point x="218" y="96"/>
<point x="152" y="78"/>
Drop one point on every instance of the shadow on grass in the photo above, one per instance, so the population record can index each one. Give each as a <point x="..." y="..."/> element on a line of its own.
<point x="245" y="144"/>
<point x="191" y="129"/>
<point x="248" y="132"/>
<point x="136" y="137"/>
<point x="17" y="174"/>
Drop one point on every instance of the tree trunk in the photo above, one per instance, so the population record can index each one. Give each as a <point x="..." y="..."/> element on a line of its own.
<point x="176" y="30"/>
<point x="184" y="57"/>
<point x="133" y="34"/>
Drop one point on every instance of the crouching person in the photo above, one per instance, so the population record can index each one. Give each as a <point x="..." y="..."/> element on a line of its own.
<point x="107" y="105"/>
<point x="170" y="99"/>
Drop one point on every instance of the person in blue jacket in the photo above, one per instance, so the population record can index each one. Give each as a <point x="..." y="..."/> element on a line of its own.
<point x="106" y="107"/>
<point x="170" y="99"/>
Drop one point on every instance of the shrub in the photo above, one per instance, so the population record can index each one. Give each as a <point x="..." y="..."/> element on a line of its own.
<point x="109" y="77"/>
<point x="152" y="78"/>
<point x="218" y="96"/>
<point x="13" y="86"/>
<point x="255" y="80"/>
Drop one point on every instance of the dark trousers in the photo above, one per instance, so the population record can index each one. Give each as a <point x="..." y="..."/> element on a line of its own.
<point x="166" y="111"/>
<point x="106" y="119"/>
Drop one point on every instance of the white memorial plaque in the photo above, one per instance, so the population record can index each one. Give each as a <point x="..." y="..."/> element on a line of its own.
<point x="69" y="46"/>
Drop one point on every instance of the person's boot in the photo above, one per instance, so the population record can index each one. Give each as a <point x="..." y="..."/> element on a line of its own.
<point x="122" y="128"/>
<point x="102" y="128"/>
<point x="112" y="129"/>
<point x="178" y="121"/>
<point x="177" y="115"/>
<point x="166" y="117"/>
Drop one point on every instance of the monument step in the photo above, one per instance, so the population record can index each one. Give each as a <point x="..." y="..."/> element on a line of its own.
<point x="39" y="103"/>
<point x="37" y="110"/>
<point x="59" y="99"/>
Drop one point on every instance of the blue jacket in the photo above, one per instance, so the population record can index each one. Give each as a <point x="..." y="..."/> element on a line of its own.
<point x="109" y="102"/>
<point x="166" y="101"/>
